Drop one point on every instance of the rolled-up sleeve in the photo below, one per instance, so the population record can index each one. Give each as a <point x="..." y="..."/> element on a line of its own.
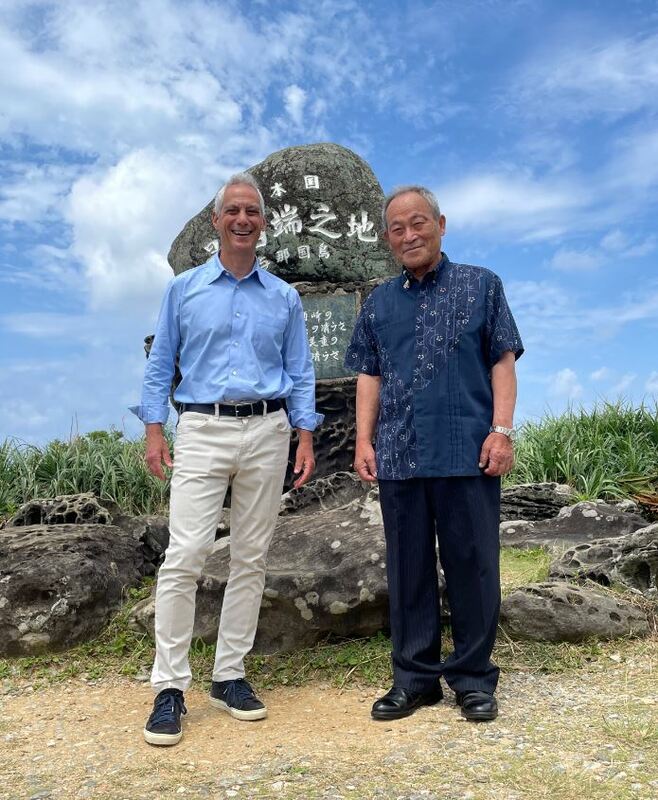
<point x="362" y="354"/>
<point x="501" y="334"/>
<point x="160" y="366"/>
<point x="298" y="365"/>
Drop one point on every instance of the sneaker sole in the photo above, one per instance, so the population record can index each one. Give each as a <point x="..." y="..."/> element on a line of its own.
<point x="258" y="713"/>
<point x="162" y="739"/>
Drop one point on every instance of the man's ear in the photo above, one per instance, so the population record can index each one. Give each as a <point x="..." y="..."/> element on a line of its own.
<point x="215" y="220"/>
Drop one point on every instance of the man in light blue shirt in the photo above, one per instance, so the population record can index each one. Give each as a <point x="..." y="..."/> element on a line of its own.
<point x="244" y="357"/>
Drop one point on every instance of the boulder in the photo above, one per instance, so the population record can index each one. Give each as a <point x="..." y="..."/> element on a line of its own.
<point x="326" y="575"/>
<point x="534" y="501"/>
<point x="60" y="584"/>
<point x="574" y="524"/>
<point x="630" y="560"/>
<point x="561" y="612"/>
<point x="325" y="493"/>
<point x="74" y="509"/>
<point x="323" y="208"/>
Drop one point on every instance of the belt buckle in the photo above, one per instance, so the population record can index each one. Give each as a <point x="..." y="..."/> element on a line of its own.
<point x="241" y="410"/>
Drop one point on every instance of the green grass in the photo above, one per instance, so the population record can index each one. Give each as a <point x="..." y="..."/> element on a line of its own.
<point x="610" y="452"/>
<point x="101" y="462"/>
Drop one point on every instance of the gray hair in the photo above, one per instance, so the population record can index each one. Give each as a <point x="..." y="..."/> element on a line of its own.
<point x="421" y="190"/>
<point x="241" y="178"/>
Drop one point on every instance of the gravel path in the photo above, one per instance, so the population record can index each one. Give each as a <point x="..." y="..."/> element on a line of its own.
<point x="587" y="734"/>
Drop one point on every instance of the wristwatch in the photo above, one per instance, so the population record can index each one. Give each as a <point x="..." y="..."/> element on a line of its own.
<point x="509" y="432"/>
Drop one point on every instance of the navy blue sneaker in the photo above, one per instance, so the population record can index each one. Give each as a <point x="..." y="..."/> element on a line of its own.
<point x="164" y="726"/>
<point x="238" y="698"/>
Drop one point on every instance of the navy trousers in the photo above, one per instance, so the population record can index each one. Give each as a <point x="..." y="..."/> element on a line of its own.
<point x="464" y="514"/>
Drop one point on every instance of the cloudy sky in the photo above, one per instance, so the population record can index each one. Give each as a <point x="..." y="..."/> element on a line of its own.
<point x="536" y="121"/>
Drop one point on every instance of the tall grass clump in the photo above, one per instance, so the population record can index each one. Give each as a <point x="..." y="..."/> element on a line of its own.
<point x="101" y="462"/>
<point x="610" y="452"/>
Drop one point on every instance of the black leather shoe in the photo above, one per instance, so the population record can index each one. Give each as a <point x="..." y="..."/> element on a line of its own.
<point x="398" y="702"/>
<point x="477" y="706"/>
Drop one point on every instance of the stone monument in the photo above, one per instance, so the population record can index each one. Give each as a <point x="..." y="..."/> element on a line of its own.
<point x="323" y="209"/>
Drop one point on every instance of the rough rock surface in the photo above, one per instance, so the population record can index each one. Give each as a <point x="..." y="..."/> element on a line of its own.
<point x="582" y="522"/>
<point x="561" y="612"/>
<point x="60" y="584"/>
<point x="323" y="494"/>
<point x="630" y="560"/>
<point x="322" y="186"/>
<point x="326" y="575"/>
<point x="534" y="501"/>
<point x="74" y="509"/>
<point x="151" y="532"/>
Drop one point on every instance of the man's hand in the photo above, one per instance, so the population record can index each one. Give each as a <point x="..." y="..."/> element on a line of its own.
<point x="497" y="455"/>
<point x="157" y="451"/>
<point x="364" y="460"/>
<point x="304" y="458"/>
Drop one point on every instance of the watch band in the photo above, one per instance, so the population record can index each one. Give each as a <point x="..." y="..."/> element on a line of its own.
<point x="509" y="432"/>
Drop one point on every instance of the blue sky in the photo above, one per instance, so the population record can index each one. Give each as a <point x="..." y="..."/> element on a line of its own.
<point x="535" y="122"/>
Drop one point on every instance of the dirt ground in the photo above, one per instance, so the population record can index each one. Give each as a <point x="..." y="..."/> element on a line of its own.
<point x="585" y="734"/>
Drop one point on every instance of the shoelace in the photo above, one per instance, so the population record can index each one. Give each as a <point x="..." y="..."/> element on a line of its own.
<point x="165" y="708"/>
<point x="238" y="691"/>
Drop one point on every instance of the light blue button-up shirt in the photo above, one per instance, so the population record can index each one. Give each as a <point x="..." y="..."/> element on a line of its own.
<point x="237" y="341"/>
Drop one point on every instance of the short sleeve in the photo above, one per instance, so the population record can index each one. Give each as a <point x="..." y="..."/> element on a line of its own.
<point x="362" y="354"/>
<point x="501" y="333"/>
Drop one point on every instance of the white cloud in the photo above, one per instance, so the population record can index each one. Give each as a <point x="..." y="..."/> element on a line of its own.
<point x="652" y="383"/>
<point x="499" y="203"/>
<point x="600" y="374"/>
<point x="623" y="384"/>
<point x="576" y="260"/>
<point x="578" y="79"/>
<point x="565" y="385"/>
<point x="294" y="99"/>
<point x="613" y="246"/>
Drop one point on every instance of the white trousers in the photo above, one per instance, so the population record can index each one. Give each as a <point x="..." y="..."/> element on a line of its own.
<point x="210" y="452"/>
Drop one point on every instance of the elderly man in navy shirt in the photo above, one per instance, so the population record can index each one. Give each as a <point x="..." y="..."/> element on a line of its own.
<point x="244" y="357"/>
<point x="436" y="349"/>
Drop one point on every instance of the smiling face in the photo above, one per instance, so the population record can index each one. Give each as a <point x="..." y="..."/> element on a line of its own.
<point x="414" y="233"/>
<point x="239" y="222"/>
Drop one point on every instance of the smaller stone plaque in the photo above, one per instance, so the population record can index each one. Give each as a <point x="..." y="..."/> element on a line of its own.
<point x="330" y="320"/>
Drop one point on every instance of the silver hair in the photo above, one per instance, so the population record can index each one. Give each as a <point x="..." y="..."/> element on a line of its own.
<point x="421" y="190"/>
<point x="242" y="178"/>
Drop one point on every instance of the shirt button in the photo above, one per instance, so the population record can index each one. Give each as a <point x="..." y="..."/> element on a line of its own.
<point x="235" y="344"/>
<point x="237" y="313"/>
<point x="235" y="372"/>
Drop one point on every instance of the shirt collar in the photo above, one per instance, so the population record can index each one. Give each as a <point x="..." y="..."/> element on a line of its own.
<point x="408" y="278"/>
<point x="217" y="269"/>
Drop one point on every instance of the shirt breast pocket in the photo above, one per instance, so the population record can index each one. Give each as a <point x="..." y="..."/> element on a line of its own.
<point x="268" y="336"/>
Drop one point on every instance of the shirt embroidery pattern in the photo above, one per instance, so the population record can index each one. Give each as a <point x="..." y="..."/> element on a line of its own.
<point x="453" y="302"/>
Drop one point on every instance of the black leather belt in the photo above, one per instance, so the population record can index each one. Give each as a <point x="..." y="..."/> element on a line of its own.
<point x="242" y="410"/>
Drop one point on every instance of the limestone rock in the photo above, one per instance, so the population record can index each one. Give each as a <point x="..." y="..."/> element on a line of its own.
<point x="561" y="612"/>
<point x="69" y="508"/>
<point x="323" y="494"/>
<point x="534" y="501"/>
<point x="576" y="524"/>
<point x="630" y="560"/>
<point x="326" y="575"/>
<point x="60" y="584"/>
<point x="323" y="207"/>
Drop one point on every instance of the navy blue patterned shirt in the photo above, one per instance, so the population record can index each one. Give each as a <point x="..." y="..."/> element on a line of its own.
<point x="433" y="343"/>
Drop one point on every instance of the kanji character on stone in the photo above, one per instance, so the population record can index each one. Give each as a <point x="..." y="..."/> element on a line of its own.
<point x="282" y="255"/>
<point x="304" y="251"/>
<point x="362" y="229"/>
<point x="324" y="216"/>
<point x="311" y="182"/>
<point x="277" y="190"/>
<point x="286" y="220"/>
